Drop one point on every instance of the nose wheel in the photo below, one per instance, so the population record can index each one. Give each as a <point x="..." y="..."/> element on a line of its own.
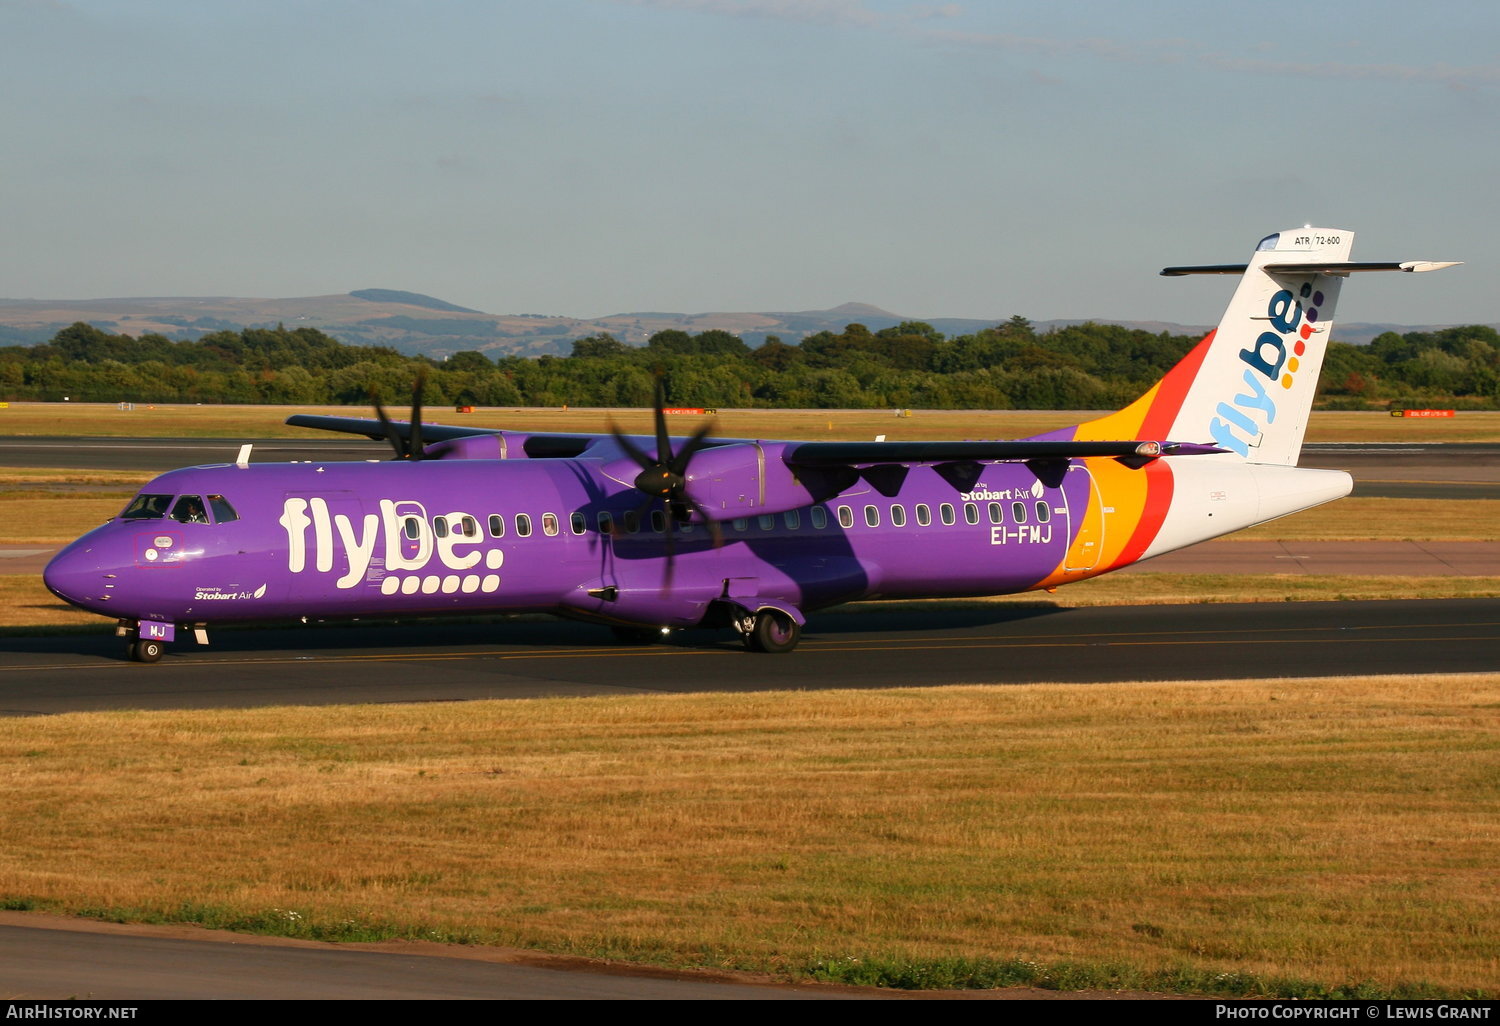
<point x="144" y="650"/>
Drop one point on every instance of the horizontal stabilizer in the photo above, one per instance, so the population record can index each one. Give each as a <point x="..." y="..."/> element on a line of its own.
<point x="1315" y="267"/>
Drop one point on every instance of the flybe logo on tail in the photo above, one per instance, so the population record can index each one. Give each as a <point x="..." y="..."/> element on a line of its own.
<point x="1272" y="360"/>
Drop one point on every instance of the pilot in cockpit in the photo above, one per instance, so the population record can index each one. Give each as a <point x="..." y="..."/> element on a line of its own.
<point x="189" y="510"/>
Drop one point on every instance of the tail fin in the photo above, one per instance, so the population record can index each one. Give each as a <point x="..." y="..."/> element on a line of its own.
<point x="1248" y="386"/>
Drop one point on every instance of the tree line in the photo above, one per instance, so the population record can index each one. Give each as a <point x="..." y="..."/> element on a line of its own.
<point x="1009" y="366"/>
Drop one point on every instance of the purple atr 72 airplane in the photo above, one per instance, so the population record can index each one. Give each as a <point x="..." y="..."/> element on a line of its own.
<point x="649" y="535"/>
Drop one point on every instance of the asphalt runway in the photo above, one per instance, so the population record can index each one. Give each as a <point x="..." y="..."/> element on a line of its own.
<point x="902" y="646"/>
<point x="42" y="957"/>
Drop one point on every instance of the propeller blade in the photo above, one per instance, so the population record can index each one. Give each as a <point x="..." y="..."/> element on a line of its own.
<point x="713" y="525"/>
<point x="694" y="443"/>
<point x="663" y="441"/>
<point x="390" y="429"/>
<point x="415" y="450"/>
<point x="632" y="450"/>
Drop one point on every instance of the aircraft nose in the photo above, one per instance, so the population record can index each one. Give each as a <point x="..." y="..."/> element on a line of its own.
<point x="76" y="576"/>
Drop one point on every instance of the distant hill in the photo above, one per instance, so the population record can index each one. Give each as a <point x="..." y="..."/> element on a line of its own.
<point x="420" y="324"/>
<point x="409" y="298"/>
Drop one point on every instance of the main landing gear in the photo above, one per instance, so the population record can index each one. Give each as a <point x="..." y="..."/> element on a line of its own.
<point x="769" y="630"/>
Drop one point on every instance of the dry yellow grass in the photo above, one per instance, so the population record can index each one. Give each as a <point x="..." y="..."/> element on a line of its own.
<point x="1358" y="518"/>
<point x="267" y="421"/>
<point x="41" y="516"/>
<point x="1327" y="830"/>
<point x="25" y="602"/>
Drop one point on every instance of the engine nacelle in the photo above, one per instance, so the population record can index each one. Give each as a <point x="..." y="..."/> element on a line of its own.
<point x="743" y="479"/>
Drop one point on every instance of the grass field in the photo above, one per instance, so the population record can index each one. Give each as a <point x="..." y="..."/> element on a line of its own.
<point x="267" y="422"/>
<point x="1285" y="837"/>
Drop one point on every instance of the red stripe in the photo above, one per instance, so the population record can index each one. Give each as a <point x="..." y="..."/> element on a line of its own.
<point x="1159" y="489"/>
<point x="1174" y="389"/>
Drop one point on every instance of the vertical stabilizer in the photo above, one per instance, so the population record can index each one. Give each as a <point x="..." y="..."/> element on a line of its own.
<point x="1248" y="387"/>
<point x="1254" y="388"/>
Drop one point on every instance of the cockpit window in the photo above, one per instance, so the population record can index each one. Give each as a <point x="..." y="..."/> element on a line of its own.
<point x="190" y="510"/>
<point x="147" y="507"/>
<point x="223" y="511"/>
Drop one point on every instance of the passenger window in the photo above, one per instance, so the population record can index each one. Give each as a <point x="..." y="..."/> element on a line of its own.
<point x="767" y="523"/>
<point x="946" y="512"/>
<point x="440" y="526"/>
<point x="924" y="514"/>
<point x="1043" y="512"/>
<point x="632" y="521"/>
<point x="412" y="527"/>
<point x="971" y="513"/>
<point x="819" y="518"/>
<point x="793" y="520"/>
<point x="872" y="516"/>
<point x="189" y="510"/>
<point x="994" y="512"/>
<point x="1018" y="510"/>
<point x="497" y="526"/>
<point x="606" y="523"/>
<point x="741" y="524"/>
<point x="222" y="510"/>
<point x="468" y="527"/>
<point x="578" y="523"/>
<point x="898" y="516"/>
<point x="658" y="521"/>
<point x="846" y="517"/>
<point x="147" y="507"/>
<point x="549" y="524"/>
<point x="523" y="525"/>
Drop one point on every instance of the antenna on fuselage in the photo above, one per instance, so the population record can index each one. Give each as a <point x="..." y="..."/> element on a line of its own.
<point x="243" y="459"/>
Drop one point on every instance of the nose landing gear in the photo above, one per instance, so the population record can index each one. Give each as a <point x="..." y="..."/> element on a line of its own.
<point x="147" y="650"/>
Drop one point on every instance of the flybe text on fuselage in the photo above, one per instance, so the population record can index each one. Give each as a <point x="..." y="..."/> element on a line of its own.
<point x="1269" y="366"/>
<point x="396" y="547"/>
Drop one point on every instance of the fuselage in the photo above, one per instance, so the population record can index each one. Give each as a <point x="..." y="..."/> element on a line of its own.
<point x="436" y="537"/>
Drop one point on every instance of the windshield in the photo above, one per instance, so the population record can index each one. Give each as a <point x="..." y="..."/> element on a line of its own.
<point x="147" y="507"/>
<point x="188" y="509"/>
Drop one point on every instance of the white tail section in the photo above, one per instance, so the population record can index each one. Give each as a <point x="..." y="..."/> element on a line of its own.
<point x="1254" y="390"/>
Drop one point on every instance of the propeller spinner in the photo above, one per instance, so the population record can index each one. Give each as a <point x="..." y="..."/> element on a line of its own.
<point x="663" y="478"/>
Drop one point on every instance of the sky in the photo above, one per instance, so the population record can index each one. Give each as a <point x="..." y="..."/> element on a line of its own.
<point x="590" y="157"/>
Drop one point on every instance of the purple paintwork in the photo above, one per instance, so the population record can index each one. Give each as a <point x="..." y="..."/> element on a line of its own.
<point x="359" y="539"/>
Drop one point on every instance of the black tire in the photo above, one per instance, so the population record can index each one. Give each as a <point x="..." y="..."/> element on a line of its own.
<point x="774" y="632"/>
<point x="147" y="650"/>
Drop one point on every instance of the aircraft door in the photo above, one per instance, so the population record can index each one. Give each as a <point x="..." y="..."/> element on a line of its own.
<point x="1085" y="507"/>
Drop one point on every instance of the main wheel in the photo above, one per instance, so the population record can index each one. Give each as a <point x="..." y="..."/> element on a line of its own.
<point x="773" y="632"/>
<point x="146" y="650"/>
